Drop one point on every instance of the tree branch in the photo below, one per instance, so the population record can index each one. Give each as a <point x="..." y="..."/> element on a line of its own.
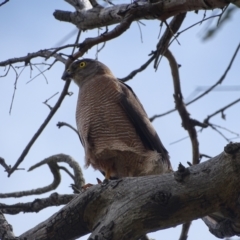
<point x="144" y="204"/>
<point x="99" y="17"/>
<point x="187" y="122"/>
<point x="208" y="90"/>
<point x="38" y="204"/>
<point x="6" y="231"/>
<point x="39" y="131"/>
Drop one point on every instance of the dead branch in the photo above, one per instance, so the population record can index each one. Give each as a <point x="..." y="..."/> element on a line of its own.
<point x="38" y="204"/>
<point x="26" y="59"/>
<point x="6" y="231"/>
<point x="161" y="46"/>
<point x="61" y="124"/>
<point x="221" y="110"/>
<point x="79" y="180"/>
<point x="207" y="91"/>
<point x="100" y="17"/>
<point x="56" y="181"/>
<point x="39" y="131"/>
<point x="187" y="123"/>
<point x="144" y="204"/>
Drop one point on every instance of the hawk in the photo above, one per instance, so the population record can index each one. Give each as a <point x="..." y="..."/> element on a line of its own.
<point x="118" y="138"/>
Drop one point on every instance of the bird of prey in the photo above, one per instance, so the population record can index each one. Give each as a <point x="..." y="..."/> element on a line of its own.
<point x="118" y="138"/>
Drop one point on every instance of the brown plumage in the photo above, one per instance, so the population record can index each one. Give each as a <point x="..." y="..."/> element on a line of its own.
<point x="117" y="136"/>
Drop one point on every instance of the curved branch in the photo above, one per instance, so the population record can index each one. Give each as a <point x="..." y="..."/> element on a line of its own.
<point x="78" y="175"/>
<point x="188" y="123"/>
<point x="56" y="181"/>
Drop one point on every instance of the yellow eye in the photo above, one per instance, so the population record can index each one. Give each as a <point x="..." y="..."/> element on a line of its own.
<point x="82" y="64"/>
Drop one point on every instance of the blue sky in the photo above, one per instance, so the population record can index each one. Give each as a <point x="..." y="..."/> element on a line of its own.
<point x="28" y="26"/>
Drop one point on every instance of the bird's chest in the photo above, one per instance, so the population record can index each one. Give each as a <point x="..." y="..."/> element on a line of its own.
<point x="98" y="109"/>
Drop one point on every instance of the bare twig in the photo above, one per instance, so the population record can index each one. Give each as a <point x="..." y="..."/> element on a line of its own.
<point x="204" y="155"/>
<point x="219" y="132"/>
<point x="234" y="133"/>
<point x="163" y="44"/>
<point x="4" y="2"/>
<point x="40" y="73"/>
<point x="44" y="124"/>
<point x="140" y="69"/>
<point x="15" y="86"/>
<point x="221" y="110"/>
<point x="174" y="25"/>
<point x="46" y="101"/>
<point x="140" y="30"/>
<point x="207" y="91"/>
<point x="26" y="59"/>
<point x="3" y="163"/>
<point x="77" y="41"/>
<point x="185" y="229"/>
<point x="117" y="31"/>
<point x="6" y="71"/>
<point x="61" y="124"/>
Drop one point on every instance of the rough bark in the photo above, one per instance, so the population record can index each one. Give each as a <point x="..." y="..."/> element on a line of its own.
<point x="131" y="207"/>
<point x="99" y="17"/>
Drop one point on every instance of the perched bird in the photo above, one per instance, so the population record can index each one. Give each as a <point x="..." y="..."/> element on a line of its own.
<point x="117" y="136"/>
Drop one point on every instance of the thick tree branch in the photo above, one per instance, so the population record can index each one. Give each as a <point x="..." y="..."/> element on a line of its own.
<point x="6" y="231"/>
<point x="99" y="17"/>
<point x="144" y="204"/>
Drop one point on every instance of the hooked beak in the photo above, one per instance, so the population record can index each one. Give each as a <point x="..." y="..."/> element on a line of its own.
<point x="66" y="76"/>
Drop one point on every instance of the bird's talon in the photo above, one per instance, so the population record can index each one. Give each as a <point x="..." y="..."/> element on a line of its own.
<point x="105" y="182"/>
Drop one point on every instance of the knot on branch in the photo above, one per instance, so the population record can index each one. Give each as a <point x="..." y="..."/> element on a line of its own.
<point x="195" y="123"/>
<point x="162" y="198"/>
<point x="181" y="173"/>
<point x="104" y="233"/>
<point x="225" y="228"/>
<point x="232" y="148"/>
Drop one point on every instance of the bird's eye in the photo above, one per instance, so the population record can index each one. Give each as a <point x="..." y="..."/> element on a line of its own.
<point x="82" y="64"/>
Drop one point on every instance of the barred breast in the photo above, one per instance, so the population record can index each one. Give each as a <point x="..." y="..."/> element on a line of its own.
<point x="109" y="138"/>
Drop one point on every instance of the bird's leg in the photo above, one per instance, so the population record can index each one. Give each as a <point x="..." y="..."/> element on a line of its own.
<point x="107" y="176"/>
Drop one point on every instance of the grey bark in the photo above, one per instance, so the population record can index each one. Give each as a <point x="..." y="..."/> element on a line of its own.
<point x="99" y="17"/>
<point x="131" y="207"/>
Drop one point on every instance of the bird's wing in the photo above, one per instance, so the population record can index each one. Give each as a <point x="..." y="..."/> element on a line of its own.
<point x="136" y="113"/>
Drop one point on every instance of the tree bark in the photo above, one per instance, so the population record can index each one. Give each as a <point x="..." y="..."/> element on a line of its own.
<point x="131" y="207"/>
<point x="99" y="17"/>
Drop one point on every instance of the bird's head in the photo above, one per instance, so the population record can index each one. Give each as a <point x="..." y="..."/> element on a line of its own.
<point x="85" y="69"/>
